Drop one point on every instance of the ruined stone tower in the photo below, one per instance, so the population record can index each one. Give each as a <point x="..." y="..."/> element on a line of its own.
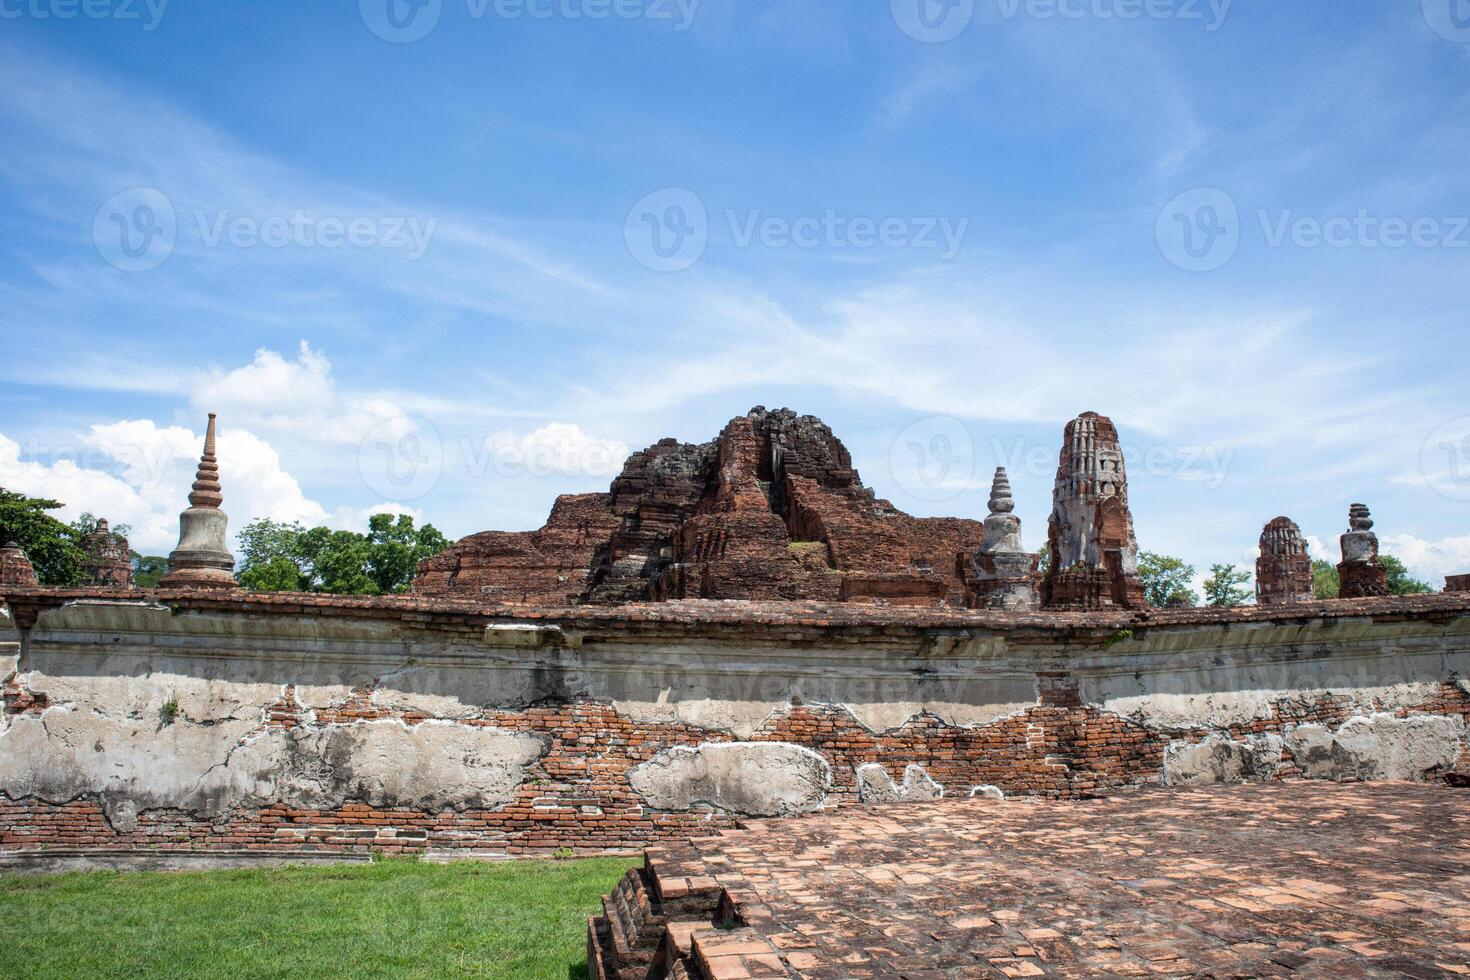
<point x="202" y="559"/>
<point x="15" y="567"/>
<point x="108" y="563"/>
<point x="1360" y="571"/>
<point x="1094" y="555"/>
<point x="1284" y="569"/>
<point x="1004" y="571"/>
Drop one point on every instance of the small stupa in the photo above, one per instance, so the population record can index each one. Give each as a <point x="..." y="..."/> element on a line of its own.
<point x="202" y="559"/>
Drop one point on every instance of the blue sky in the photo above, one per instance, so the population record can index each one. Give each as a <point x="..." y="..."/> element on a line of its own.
<point x="461" y="273"/>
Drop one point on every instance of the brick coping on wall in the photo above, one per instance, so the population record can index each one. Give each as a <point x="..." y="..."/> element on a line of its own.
<point x="25" y="603"/>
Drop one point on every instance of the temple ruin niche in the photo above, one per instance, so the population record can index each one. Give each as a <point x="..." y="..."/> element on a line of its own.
<point x="1094" y="554"/>
<point x="1284" y="569"/>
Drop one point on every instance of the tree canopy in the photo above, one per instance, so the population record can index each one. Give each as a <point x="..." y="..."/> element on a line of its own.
<point x="276" y="556"/>
<point x="51" y="545"/>
<point x="1226" y="586"/>
<point x="1166" y="580"/>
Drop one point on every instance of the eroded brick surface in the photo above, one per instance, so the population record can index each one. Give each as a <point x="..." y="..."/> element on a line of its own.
<point x="1309" y="879"/>
<point x="771" y="509"/>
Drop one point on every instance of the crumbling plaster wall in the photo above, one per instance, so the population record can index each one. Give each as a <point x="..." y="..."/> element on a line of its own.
<point x="213" y="717"/>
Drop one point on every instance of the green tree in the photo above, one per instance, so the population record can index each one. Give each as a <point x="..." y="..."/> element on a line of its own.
<point x="48" y="543"/>
<point x="336" y="561"/>
<point x="1325" y="580"/>
<point x="148" y="569"/>
<point x="277" y="574"/>
<point x="396" y="549"/>
<point x="1226" y="586"/>
<point x="1400" y="582"/>
<point x="1166" y="580"/>
<point x="276" y="556"/>
<point x="268" y="557"/>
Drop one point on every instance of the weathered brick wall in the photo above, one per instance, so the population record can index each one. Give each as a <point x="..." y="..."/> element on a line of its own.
<point x="281" y="726"/>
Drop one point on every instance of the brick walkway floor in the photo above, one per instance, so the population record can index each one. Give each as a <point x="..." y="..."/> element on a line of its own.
<point x="1298" y="878"/>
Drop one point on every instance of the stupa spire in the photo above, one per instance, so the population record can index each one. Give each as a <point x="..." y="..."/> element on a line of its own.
<point x="1004" y="572"/>
<point x="206" y="490"/>
<point x="202" y="559"/>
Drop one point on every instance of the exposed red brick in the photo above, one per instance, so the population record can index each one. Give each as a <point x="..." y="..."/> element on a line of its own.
<point x="771" y="509"/>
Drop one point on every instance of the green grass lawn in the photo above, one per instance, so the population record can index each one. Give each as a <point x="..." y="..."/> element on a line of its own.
<point x="395" y="918"/>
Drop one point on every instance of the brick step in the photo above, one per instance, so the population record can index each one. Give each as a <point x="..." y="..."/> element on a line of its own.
<point x="651" y="917"/>
<point x="682" y="895"/>
<point x="728" y="953"/>
<point x="636" y="920"/>
<point x="676" y="952"/>
<point x="600" y="962"/>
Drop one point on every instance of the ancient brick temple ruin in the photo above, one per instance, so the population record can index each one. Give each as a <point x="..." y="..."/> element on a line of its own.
<point x="1005" y="572"/>
<point x="772" y="509"/>
<point x="108" y="561"/>
<point x="575" y="687"/>
<point x="1093" y="553"/>
<point x="1284" y="569"/>
<point x="15" y="567"/>
<point x="1360" y="571"/>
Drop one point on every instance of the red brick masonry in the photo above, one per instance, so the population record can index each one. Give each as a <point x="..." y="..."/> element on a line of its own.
<point x="578" y="794"/>
<point x="1299" y="879"/>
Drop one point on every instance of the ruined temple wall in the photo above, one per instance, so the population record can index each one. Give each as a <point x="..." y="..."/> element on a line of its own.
<point x="130" y="725"/>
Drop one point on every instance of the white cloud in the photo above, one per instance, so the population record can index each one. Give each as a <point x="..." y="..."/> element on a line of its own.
<point x="298" y="397"/>
<point x="1430" y="560"/>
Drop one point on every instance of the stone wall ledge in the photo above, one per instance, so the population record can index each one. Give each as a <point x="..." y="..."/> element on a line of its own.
<point x="693" y="616"/>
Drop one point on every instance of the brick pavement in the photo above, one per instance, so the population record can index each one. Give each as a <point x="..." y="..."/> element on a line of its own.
<point x="1300" y="879"/>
